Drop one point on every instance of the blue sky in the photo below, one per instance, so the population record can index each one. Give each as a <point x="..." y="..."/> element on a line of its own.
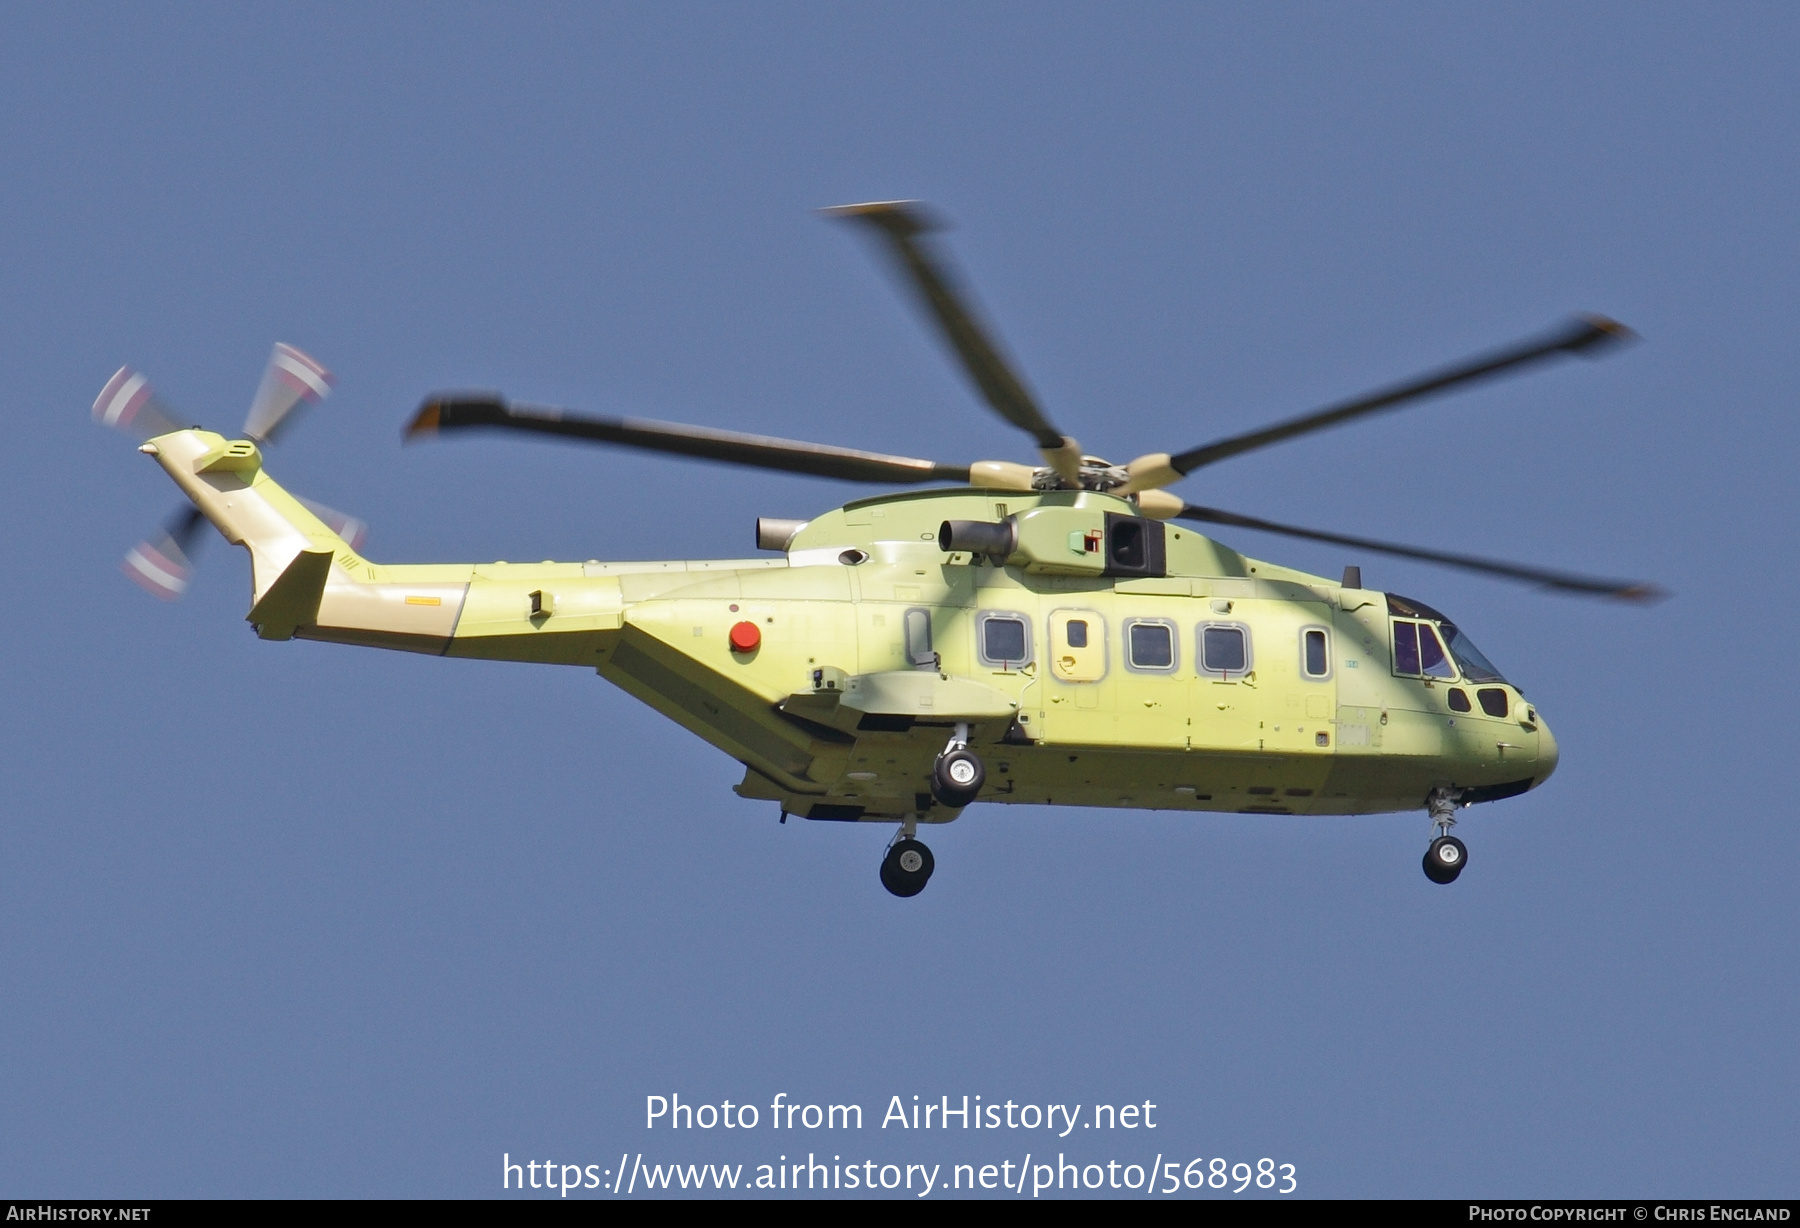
<point x="306" y="920"/>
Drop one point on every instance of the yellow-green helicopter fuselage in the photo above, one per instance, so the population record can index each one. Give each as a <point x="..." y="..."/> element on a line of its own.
<point x="1103" y="660"/>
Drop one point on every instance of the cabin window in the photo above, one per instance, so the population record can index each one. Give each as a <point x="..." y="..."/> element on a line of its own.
<point x="1417" y="650"/>
<point x="1003" y="639"/>
<point x="1493" y="701"/>
<point x="1076" y="634"/>
<point x="1224" y="649"/>
<point x="1315" y="657"/>
<point x="917" y="623"/>
<point x="1150" y="645"/>
<point x="1459" y="699"/>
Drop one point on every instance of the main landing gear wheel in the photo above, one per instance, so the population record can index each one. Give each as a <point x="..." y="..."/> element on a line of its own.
<point x="956" y="777"/>
<point x="1445" y="859"/>
<point x="907" y="867"/>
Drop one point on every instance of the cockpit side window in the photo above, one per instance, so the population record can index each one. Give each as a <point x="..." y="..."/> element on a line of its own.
<point x="1432" y="657"/>
<point x="1474" y="666"/>
<point x="1418" y="650"/>
<point x="1406" y="648"/>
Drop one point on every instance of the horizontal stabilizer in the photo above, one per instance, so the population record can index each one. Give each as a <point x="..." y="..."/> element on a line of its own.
<point x="293" y="600"/>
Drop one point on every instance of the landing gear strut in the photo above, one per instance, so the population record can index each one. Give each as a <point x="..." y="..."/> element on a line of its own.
<point x="908" y="864"/>
<point x="956" y="778"/>
<point x="1445" y="859"/>
<point x="957" y="774"/>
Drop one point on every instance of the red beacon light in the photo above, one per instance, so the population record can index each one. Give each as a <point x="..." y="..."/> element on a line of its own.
<point x="745" y="637"/>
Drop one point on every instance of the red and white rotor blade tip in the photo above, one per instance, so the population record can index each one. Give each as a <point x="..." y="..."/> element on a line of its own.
<point x="345" y="526"/>
<point x="129" y="404"/>
<point x="160" y="566"/>
<point x="292" y="379"/>
<point x="163" y="564"/>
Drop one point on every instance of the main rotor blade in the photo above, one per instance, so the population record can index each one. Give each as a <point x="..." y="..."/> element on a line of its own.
<point x="1587" y="335"/>
<point x="903" y="224"/>
<point x="449" y="413"/>
<point x="290" y="380"/>
<point x="1621" y="590"/>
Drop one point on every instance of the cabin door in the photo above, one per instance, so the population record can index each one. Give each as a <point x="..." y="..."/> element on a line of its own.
<point x="1076" y="698"/>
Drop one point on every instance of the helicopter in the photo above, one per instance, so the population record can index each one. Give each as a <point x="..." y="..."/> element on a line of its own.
<point x="1045" y="633"/>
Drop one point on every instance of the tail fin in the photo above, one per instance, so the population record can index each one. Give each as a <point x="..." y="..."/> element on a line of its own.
<point x="226" y="482"/>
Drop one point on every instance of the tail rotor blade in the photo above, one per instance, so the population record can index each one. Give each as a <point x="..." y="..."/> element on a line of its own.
<point x="348" y="527"/>
<point x="129" y="404"/>
<point x="162" y="564"/>
<point x="291" y="380"/>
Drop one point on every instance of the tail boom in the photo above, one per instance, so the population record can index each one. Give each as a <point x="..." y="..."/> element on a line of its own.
<point x="305" y="579"/>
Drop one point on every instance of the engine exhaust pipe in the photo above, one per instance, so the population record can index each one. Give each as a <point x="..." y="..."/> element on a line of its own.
<point x="997" y="540"/>
<point x="775" y="534"/>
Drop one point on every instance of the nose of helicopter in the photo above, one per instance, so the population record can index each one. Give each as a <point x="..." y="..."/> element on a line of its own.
<point x="1548" y="753"/>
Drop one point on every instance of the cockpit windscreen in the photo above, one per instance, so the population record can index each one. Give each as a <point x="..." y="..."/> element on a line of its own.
<point x="1474" y="665"/>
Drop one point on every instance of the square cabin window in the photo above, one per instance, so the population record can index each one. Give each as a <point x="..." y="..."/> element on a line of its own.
<point x="1003" y="640"/>
<point x="1224" y="649"/>
<point x="1150" y="645"/>
<point x="1076" y="633"/>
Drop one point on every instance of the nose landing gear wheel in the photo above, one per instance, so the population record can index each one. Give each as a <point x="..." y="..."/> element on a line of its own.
<point x="907" y="867"/>
<point x="1445" y="859"/>
<point x="956" y="777"/>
